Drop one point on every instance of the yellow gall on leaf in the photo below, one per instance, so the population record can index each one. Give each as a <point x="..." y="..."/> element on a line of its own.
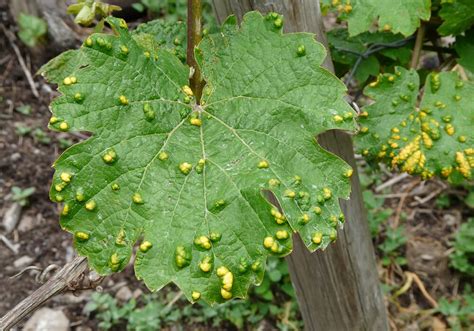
<point x="203" y="242"/>
<point x="327" y="194"/>
<point x="91" y="205"/>
<point x="374" y="83"/>
<point x="317" y="210"/>
<point x="364" y="129"/>
<point x="123" y="24"/>
<point x="147" y="54"/>
<point x="67" y="81"/>
<point x="290" y="194"/>
<point x="449" y="128"/>
<point x="123" y="100"/>
<point x="305" y="218"/>
<point x="469" y="151"/>
<point x="137" y="198"/>
<point x="89" y="42"/>
<point x="145" y="246"/>
<point x="278" y="23"/>
<point x="114" y="262"/>
<point x="195" y="121"/>
<point x="205" y="265"/>
<point x="301" y="50"/>
<point x="59" y="187"/>
<point x="273" y="182"/>
<point x="446" y="171"/>
<point x="268" y="242"/>
<point x="162" y="156"/>
<point x="348" y="173"/>
<point x="387" y="27"/>
<point x="80" y="195"/>
<point x="275" y="247"/>
<point x="124" y="49"/>
<point x="463" y="165"/>
<point x="187" y="90"/>
<point x="65" y="210"/>
<point x="221" y="271"/>
<point x="282" y="234"/>
<point x="185" y="168"/>
<point x="81" y="236"/>
<point x="347" y="9"/>
<point x="196" y="295"/>
<point x="337" y="119"/>
<point x="53" y="120"/>
<point x="263" y="164"/>
<point x="427" y="141"/>
<point x="110" y="156"/>
<point x="227" y="281"/>
<point x="63" y="126"/>
<point x="440" y="104"/>
<point x="317" y="238"/>
<point x="182" y="257"/>
<point x="66" y="177"/>
<point x="226" y="294"/>
<point x="462" y="139"/>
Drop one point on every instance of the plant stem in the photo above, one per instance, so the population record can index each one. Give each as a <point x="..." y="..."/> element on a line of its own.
<point x="194" y="37"/>
<point x="418" y="46"/>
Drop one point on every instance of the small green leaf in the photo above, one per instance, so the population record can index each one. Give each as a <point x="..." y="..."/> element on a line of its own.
<point x="458" y="16"/>
<point x="465" y="48"/>
<point x="432" y="139"/>
<point x="32" y="29"/>
<point x="190" y="185"/>
<point x="461" y="258"/>
<point x="24" y="109"/>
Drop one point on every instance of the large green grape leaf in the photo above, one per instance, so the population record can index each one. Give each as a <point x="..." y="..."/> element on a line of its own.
<point x="401" y="16"/>
<point x="457" y="15"/>
<point x="431" y="138"/>
<point x="190" y="182"/>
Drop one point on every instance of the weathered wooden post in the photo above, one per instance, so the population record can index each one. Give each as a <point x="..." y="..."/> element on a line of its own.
<point x="337" y="289"/>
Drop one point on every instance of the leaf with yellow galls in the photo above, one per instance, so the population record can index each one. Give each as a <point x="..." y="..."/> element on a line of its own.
<point x="433" y="138"/>
<point x="184" y="182"/>
<point x="400" y="16"/>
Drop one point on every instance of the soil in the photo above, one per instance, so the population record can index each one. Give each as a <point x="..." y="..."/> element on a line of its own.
<point x="26" y="162"/>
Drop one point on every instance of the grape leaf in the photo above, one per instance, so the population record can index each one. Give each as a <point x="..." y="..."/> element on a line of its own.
<point x="402" y="16"/>
<point x="346" y="50"/>
<point x="457" y="15"/>
<point x="191" y="183"/>
<point x="432" y="138"/>
<point x="465" y="48"/>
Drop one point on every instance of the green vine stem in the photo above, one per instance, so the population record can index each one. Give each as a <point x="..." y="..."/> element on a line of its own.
<point x="418" y="46"/>
<point x="194" y="28"/>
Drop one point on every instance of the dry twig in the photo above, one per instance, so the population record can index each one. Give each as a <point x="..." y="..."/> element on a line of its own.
<point x="58" y="283"/>
<point x="29" y="78"/>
